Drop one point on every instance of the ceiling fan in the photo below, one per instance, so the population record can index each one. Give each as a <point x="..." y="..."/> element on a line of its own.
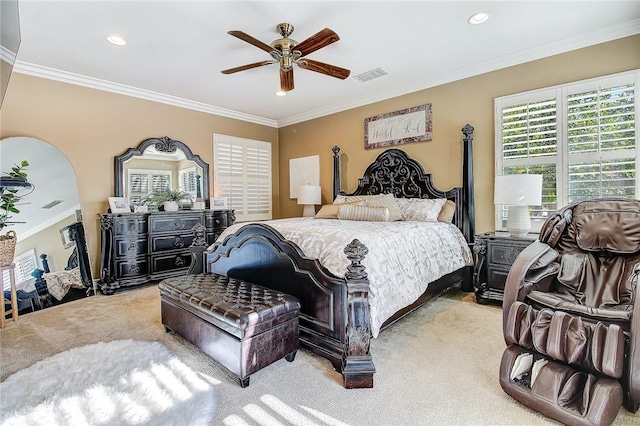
<point x="286" y="52"/>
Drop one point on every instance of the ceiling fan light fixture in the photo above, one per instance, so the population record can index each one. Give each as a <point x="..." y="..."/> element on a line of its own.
<point x="479" y="18"/>
<point x="116" y="40"/>
<point x="281" y="93"/>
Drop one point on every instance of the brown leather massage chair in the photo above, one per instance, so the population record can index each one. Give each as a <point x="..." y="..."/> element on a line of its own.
<point x="570" y="323"/>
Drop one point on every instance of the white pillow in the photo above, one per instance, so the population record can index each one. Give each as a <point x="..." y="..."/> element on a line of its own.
<point x="421" y="209"/>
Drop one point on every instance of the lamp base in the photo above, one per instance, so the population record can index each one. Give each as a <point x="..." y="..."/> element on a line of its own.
<point x="309" y="210"/>
<point x="518" y="221"/>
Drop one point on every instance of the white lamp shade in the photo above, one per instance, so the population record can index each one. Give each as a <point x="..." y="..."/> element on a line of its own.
<point x="309" y="194"/>
<point x="518" y="190"/>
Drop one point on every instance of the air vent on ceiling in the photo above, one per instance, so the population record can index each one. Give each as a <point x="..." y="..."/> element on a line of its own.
<point x="370" y="75"/>
<point x="52" y="204"/>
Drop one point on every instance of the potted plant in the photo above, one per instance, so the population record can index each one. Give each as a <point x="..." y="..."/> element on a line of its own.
<point x="12" y="182"/>
<point x="168" y="198"/>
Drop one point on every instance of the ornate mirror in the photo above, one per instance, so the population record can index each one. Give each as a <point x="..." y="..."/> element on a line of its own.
<point x="159" y="163"/>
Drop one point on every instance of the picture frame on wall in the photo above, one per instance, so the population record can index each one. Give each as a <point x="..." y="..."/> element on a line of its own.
<point x="218" y="203"/>
<point x="398" y="127"/>
<point x="65" y="235"/>
<point x="119" y="205"/>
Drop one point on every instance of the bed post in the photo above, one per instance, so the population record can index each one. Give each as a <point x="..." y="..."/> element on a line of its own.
<point x="467" y="184"/>
<point x="336" y="171"/>
<point x="468" y="213"/>
<point x="357" y="363"/>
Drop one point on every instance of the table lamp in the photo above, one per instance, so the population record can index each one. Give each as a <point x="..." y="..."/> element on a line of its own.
<point x="309" y="196"/>
<point x="518" y="192"/>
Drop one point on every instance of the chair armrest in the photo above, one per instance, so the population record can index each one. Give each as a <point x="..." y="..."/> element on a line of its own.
<point x="516" y="288"/>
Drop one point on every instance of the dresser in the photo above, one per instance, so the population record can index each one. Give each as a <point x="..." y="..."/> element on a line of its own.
<point x="138" y="248"/>
<point x="495" y="253"/>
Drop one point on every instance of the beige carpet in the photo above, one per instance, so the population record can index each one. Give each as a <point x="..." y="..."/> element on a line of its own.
<point x="437" y="366"/>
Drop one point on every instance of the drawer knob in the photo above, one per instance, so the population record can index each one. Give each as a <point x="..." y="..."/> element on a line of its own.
<point x="134" y="269"/>
<point x="178" y="242"/>
<point x="179" y="261"/>
<point x="132" y="248"/>
<point x="178" y="224"/>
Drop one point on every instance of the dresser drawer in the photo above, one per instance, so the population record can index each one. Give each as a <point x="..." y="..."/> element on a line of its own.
<point x="173" y="223"/>
<point x="170" y="262"/>
<point x="170" y="242"/>
<point x="132" y="268"/>
<point x="130" y="247"/>
<point x="123" y="225"/>
<point x="217" y="221"/>
<point x="504" y="254"/>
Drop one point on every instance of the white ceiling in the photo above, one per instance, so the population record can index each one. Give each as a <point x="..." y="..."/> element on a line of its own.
<point x="176" y="49"/>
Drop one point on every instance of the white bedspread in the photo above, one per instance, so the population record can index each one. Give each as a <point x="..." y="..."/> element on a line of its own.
<point x="404" y="257"/>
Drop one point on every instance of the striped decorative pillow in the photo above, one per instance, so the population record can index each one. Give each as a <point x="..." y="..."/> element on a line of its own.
<point x="379" y="200"/>
<point x="367" y="213"/>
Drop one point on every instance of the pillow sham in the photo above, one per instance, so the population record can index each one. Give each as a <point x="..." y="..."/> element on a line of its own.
<point x="330" y="211"/>
<point x="379" y="200"/>
<point x="447" y="212"/>
<point x="421" y="209"/>
<point x="351" y="211"/>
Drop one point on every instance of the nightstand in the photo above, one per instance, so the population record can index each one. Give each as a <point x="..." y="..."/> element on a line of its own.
<point x="495" y="253"/>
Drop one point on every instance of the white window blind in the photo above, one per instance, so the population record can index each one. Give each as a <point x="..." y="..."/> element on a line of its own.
<point x="580" y="136"/>
<point x="242" y="175"/>
<point x="188" y="181"/>
<point x="25" y="264"/>
<point x="143" y="182"/>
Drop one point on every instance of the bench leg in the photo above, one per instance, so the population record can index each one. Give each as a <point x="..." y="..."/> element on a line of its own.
<point x="244" y="382"/>
<point x="290" y="357"/>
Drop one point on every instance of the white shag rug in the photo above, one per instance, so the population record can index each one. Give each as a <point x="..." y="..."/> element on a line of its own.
<point x="124" y="382"/>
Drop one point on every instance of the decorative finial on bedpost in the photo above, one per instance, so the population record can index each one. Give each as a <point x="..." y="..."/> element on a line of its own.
<point x="199" y="231"/>
<point x="467" y="130"/>
<point x="356" y="251"/>
<point x="336" y="170"/>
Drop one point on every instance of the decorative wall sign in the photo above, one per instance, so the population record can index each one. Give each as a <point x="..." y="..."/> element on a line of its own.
<point x="303" y="171"/>
<point x="399" y="127"/>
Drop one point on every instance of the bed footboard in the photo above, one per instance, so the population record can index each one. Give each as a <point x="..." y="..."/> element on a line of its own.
<point x="334" y="312"/>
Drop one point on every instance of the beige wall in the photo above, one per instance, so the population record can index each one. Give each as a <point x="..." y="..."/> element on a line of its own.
<point x="90" y="127"/>
<point x="454" y="104"/>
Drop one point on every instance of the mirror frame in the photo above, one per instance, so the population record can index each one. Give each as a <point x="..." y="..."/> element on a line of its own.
<point x="163" y="144"/>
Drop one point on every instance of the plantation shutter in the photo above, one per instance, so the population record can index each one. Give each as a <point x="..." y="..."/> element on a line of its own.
<point x="242" y="175"/>
<point x="143" y="182"/>
<point x="188" y="181"/>
<point x="25" y="264"/>
<point x="580" y="136"/>
<point x="601" y="140"/>
<point x="529" y="145"/>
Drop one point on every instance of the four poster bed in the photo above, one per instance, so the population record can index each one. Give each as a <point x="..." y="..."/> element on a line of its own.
<point x="335" y="317"/>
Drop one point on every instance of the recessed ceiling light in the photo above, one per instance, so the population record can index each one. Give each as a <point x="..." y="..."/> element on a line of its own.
<point x="116" y="39"/>
<point x="281" y="93"/>
<point x="479" y="18"/>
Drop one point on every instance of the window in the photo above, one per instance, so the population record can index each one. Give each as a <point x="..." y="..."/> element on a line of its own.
<point x="242" y="175"/>
<point x="25" y="265"/>
<point x="189" y="182"/>
<point x="143" y="182"/>
<point x="580" y="136"/>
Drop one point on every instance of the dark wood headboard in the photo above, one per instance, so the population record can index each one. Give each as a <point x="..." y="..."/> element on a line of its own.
<point x="394" y="172"/>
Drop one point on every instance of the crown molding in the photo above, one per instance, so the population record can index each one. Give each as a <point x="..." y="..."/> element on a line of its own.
<point x="122" y="89"/>
<point x="49" y="222"/>
<point x="561" y="46"/>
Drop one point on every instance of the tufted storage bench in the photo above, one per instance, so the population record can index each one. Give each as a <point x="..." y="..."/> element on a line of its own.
<point x="242" y="325"/>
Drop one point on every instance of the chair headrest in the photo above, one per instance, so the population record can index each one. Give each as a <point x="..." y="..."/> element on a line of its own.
<point x="608" y="225"/>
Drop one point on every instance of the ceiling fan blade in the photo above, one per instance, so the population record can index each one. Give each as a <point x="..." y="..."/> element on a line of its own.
<point x="322" y="68"/>
<point x="317" y="41"/>
<point x="286" y="79"/>
<point x="247" y="67"/>
<point x="246" y="37"/>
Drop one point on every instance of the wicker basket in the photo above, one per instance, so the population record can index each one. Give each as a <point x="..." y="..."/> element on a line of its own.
<point x="7" y="248"/>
